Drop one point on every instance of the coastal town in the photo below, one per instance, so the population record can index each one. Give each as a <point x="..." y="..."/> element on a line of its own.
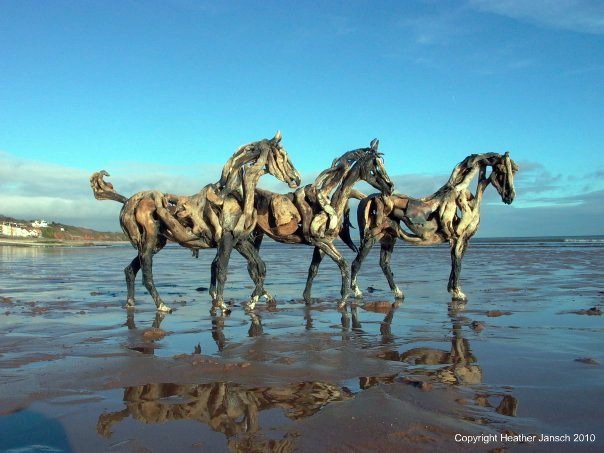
<point x="23" y="230"/>
<point x="43" y="232"/>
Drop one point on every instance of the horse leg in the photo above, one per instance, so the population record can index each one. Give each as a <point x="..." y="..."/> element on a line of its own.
<point x="317" y="257"/>
<point x="131" y="228"/>
<point x="130" y="272"/>
<point x="255" y="268"/>
<point x="458" y="248"/>
<point x="366" y="245"/>
<point x="335" y="255"/>
<point x="219" y="271"/>
<point x="146" y="261"/>
<point x="257" y="237"/>
<point x="385" y="254"/>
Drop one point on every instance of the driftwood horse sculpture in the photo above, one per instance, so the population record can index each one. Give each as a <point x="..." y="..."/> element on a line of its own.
<point x="314" y="216"/>
<point x="220" y="215"/>
<point x="452" y="214"/>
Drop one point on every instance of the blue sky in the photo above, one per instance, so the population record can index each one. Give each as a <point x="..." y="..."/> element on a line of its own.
<point x="161" y="93"/>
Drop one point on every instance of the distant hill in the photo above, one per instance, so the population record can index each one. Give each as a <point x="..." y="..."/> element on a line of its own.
<point x="64" y="232"/>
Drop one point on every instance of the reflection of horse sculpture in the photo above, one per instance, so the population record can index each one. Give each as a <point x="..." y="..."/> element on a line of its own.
<point x="225" y="407"/>
<point x="460" y="363"/>
<point x="451" y="214"/>
<point x="353" y="322"/>
<point x="310" y="216"/>
<point x="255" y="329"/>
<point x="220" y="215"/>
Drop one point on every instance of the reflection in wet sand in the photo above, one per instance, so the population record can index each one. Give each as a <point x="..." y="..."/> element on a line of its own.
<point x="228" y="408"/>
<point x="131" y="324"/>
<point x="219" y="336"/>
<point x="149" y="336"/>
<point x="460" y="364"/>
<point x="352" y="321"/>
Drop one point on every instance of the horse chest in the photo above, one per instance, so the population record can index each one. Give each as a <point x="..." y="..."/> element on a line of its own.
<point x="419" y="218"/>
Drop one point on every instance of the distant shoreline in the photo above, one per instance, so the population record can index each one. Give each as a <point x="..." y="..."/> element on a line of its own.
<point x="43" y="242"/>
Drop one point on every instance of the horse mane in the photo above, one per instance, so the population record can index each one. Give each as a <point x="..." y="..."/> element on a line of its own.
<point x="233" y="171"/>
<point x="334" y="175"/>
<point x="364" y="155"/>
<point x="468" y="167"/>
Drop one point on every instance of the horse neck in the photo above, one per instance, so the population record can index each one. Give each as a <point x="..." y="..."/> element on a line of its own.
<point x="339" y="199"/>
<point x="237" y="173"/>
<point x="483" y="183"/>
<point x="251" y="176"/>
<point x="461" y="177"/>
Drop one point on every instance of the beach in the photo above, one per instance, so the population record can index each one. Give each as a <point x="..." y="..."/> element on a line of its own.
<point x="518" y="366"/>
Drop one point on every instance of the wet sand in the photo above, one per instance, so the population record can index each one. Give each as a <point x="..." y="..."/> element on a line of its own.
<point x="522" y="358"/>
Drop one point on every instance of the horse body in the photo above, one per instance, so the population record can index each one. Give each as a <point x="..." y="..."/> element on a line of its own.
<point x="220" y="215"/>
<point x="451" y="214"/>
<point x="313" y="217"/>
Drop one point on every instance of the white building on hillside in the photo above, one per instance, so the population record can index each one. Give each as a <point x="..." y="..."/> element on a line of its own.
<point x="20" y="231"/>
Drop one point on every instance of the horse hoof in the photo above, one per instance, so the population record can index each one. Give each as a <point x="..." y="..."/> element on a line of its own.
<point x="458" y="296"/>
<point x="268" y="296"/>
<point x="252" y="303"/>
<point x="398" y="294"/>
<point x="163" y="308"/>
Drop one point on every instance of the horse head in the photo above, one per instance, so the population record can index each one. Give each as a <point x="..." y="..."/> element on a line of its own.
<point x="257" y="159"/>
<point x="372" y="170"/>
<point x="279" y="165"/>
<point x="502" y="177"/>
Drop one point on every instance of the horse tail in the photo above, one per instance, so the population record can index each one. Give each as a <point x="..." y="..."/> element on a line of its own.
<point x="363" y="212"/>
<point x="346" y="225"/>
<point x="102" y="189"/>
<point x="345" y="232"/>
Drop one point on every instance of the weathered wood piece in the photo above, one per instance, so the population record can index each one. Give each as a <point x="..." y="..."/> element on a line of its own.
<point x="316" y="214"/>
<point x="220" y="215"/>
<point x="451" y="214"/>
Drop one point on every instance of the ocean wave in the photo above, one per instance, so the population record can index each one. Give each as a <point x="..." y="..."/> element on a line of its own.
<point x="587" y="240"/>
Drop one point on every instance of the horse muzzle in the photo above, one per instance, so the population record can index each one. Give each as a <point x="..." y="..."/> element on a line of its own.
<point x="295" y="182"/>
<point x="389" y="190"/>
<point x="509" y="198"/>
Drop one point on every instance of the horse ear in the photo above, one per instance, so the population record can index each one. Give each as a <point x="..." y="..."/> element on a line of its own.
<point x="513" y="164"/>
<point x="374" y="144"/>
<point x="277" y="137"/>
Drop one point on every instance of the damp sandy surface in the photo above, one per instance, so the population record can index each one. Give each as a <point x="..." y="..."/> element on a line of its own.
<point x="522" y="358"/>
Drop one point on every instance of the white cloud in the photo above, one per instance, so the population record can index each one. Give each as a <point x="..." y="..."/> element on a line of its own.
<point x="435" y="29"/>
<point x="583" y="16"/>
